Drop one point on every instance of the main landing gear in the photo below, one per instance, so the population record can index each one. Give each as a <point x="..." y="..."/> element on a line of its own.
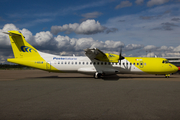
<point x="97" y="75"/>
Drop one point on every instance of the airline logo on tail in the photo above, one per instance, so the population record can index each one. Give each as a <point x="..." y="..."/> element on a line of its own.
<point x="27" y="49"/>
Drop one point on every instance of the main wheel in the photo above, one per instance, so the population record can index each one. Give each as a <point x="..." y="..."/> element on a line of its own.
<point x="97" y="75"/>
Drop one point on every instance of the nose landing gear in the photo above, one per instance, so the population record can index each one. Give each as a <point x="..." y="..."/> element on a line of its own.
<point x="167" y="75"/>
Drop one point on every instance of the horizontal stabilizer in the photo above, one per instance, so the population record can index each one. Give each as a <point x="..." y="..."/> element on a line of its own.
<point x="12" y="33"/>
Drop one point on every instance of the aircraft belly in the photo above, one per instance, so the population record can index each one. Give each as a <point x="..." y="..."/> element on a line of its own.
<point x="89" y="70"/>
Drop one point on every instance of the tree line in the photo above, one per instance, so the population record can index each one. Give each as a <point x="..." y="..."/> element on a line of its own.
<point x="13" y="66"/>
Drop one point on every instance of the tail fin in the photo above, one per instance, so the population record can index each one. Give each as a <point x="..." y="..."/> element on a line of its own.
<point x="25" y="54"/>
<point x="21" y="48"/>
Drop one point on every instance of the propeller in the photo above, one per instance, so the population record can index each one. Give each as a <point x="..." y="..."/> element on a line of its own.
<point x="120" y="56"/>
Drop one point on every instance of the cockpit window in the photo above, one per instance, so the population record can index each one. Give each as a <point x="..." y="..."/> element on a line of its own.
<point x="165" y="61"/>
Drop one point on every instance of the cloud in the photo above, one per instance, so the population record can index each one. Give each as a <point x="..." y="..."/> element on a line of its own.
<point x="151" y="54"/>
<point x="123" y="4"/>
<point x="147" y="17"/>
<point x="72" y="44"/>
<point x="177" y="49"/>
<point x="67" y="28"/>
<point x="8" y="27"/>
<point x="121" y="20"/>
<point x="90" y="27"/>
<point x="111" y="30"/>
<point x="58" y="12"/>
<point x="87" y="27"/>
<point x="43" y="37"/>
<point x="156" y="2"/>
<point x="163" y="48"/>
<point x="139" y="2"/>
<point x="28" y="36"/>
<point x="166" y="26"/>
<point x="175" y="19"/>
<point x="130" y="47"/>
<point x="91" y="15"/>
<point x="64" y="43"/>
<point x="4" y="38"/>
<point x="113" y="44"/>
<point x="150" y="47"/>
<point x="46" y="39"/>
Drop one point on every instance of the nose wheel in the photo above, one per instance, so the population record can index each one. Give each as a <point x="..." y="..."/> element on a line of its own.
<point x="167" y="75"/>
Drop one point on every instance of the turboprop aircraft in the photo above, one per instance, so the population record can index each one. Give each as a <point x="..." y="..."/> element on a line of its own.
<point x="95" y="62"/>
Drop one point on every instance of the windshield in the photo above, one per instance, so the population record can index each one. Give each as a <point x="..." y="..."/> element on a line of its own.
<point x="165" y="61"/>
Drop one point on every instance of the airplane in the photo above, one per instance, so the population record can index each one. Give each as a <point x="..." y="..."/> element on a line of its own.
<point x="95" y="62"/>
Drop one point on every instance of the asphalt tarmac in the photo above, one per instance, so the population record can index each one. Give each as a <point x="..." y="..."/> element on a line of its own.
<point x="39" y="95"/>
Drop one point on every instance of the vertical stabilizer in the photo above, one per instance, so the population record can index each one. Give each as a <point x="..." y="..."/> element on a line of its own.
<point x="26" y="54"/>
<point x="21" y="48"/>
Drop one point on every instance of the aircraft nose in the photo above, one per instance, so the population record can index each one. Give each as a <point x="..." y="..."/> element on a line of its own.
<point x="175" y="68"/>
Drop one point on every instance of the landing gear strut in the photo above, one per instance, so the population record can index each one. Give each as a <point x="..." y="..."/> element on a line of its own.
<point x="97" y="75"/>
<point x="167" y="75"/>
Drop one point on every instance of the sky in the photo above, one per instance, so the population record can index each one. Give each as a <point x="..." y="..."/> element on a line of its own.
<point x="140" y="27"/>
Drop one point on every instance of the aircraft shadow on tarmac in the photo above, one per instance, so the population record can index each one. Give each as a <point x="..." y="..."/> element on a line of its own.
<point x="109" y="78"/>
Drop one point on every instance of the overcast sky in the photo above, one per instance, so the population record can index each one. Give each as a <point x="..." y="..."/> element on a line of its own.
<point x="67" y="27"/>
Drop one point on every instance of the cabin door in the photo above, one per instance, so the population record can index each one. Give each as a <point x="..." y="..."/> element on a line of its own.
<point x="48" y="65"/>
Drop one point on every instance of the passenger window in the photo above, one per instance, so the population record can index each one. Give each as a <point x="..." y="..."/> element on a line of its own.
<point x="123" y="63"/>
<point x="109" y="63"/>
<point x="94" y="63"/>
<point x="130" y="63"/>
<point x="79" y="62"/>
<point x="137" y="63"/>
<point x="105" y="63"/>
<point x="61" y="62"/>
<point x="83" y="63"/>
<point x="90" y="63"/>
<point x="65" y="63"/>
<point x="86" y="63"/>
<point x="68" y="62"/>
<point x="75" y="62"/>
<point x="134" y="63"/>
<point x="58" y="62"/>
<point x="72" y="63"/>
<point x="97" y="63"/>
<point x="126" y="63"/>
<point x="101" y="63"/>
<point x="144" y="63"/>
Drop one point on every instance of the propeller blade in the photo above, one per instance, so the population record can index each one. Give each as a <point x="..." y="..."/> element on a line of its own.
<point x="120" y="55"/>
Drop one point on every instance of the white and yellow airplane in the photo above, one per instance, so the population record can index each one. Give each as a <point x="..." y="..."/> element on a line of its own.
<point x="96" y="63"/>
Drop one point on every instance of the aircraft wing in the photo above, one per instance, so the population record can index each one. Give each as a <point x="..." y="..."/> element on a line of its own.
<point x="96" y="54"/>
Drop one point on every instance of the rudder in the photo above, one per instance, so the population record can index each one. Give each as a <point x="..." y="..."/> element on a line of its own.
<point x="21" y="48"/>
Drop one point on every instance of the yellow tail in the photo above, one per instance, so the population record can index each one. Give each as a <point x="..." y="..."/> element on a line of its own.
<point x="24" y="53"/>
<point x="21" y="48"/>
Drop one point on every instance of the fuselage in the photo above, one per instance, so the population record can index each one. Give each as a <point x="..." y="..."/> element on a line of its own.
<point x="138" y="65"/>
